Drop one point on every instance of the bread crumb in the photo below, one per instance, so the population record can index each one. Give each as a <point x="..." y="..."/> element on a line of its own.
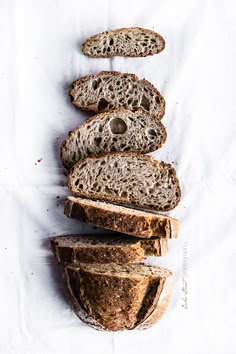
<point x="39" y="160"/>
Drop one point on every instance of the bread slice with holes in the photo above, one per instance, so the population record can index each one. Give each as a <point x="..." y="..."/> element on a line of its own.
<point x="106" y="248"/>
<point x="110" y="90"/>
<point x="128" y="221"/>
<point x="116" y="297"/>
<point x="126" y="178"/>
<point x="127" y="42"/>
<point x="118" y="130"/>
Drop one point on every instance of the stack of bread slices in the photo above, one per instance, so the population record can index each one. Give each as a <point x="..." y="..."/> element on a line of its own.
<point x="117" y="187"/>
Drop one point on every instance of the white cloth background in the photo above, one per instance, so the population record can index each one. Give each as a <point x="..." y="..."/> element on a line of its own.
<point x="40" y="56"/>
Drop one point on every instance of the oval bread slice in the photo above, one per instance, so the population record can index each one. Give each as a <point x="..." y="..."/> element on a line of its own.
<point x="127" y="42"/>
<point x="126" y="178"/>
<point x="118" y="130"/>
<point x="109" y="90"/>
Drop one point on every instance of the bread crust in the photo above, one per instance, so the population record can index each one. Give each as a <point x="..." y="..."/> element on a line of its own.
<point x="111" y="252"/>
<point x="112" y="73"/>
<point x="76" y="304"/>
<point x="157" y="164"/>
<point x="160" y="303"/>
<point x="125" y="29"/>
<point x="151" y="308"/>
<point x="106" y="115"/>
<point x="139" y="226"/>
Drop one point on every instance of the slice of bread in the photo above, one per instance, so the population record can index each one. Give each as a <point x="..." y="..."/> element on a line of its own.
<point x="126" y="178"/>
<point x="115" y="297"/>
<point x="127" y="42"/>
<point x="125" y="220"/>
<point x="113" y="248"/>
<point x="118" y="130"/>
<point x="110" y="90"/>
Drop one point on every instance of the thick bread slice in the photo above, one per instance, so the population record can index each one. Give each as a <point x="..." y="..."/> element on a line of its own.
<point x="116" y="297"/>
<point x="106" y="248"/>
<point x="118" y="130"/>
<point x="125" y="220"/>
<point x="128" y="42"/>
<point x="109" y="90"/>
<point x="126" y="178"/>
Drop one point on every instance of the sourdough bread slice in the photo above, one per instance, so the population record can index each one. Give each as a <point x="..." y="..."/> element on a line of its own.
<point x="116" y="297"/>
<point x="128" y="42"/>
<point x="117" y="218"/>
<point x="118" y="130"/>
<point x="106" y="248"/>
<point x="109" y="90"/>
<point x="126" y="178"/>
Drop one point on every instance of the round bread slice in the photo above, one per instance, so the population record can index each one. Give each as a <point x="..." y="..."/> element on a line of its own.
<point x="109" y="90"/>
<point x="117" y="297"/>
<point x="113" y="248"/>
<point x="126" y="178"/>
<point x="127" y="42"/>
<point x="118" y="130"/>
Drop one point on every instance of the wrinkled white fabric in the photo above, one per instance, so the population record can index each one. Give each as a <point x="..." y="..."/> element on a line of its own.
<point x="196" y="73"/>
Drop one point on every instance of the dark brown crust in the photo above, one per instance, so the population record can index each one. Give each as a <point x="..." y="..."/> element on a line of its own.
<point x="100" y="116"/>
<point x="114" y="73"/>
<point x="125" y="254"/>
<point x="90" y="39"/>
<point x="99" y="254"/>
<point x="139" y="226"/>
<point x="134" y="251"/>
<point x="114" y="293"/>
<point x="148" y="301"/>
<point x="69" y="274"/>
<point x="145" y="310"/>
<point x="154" y="162"/>
<point x="158" y="305"/>
<point x="155" y="246"/>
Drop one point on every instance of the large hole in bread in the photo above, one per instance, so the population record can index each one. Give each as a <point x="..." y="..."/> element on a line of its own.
<point x="102" y="104"/>
<point x="118" y="126"/>
<point x="145" y="103"/>
<point x="152" y="132"/>
<point x="97" y="141"/>
<point x="94" y="85"/>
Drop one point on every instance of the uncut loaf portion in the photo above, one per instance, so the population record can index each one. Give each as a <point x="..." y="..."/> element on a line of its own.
<point x="121" y="219"/>
<point x="106" y="248"/>
<point x="126" y="178"/>
<point x="116" y="297"/>
<point x="118" y="130"/>
<point x="128" y="42"/>
<point x="109" y="90"/>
